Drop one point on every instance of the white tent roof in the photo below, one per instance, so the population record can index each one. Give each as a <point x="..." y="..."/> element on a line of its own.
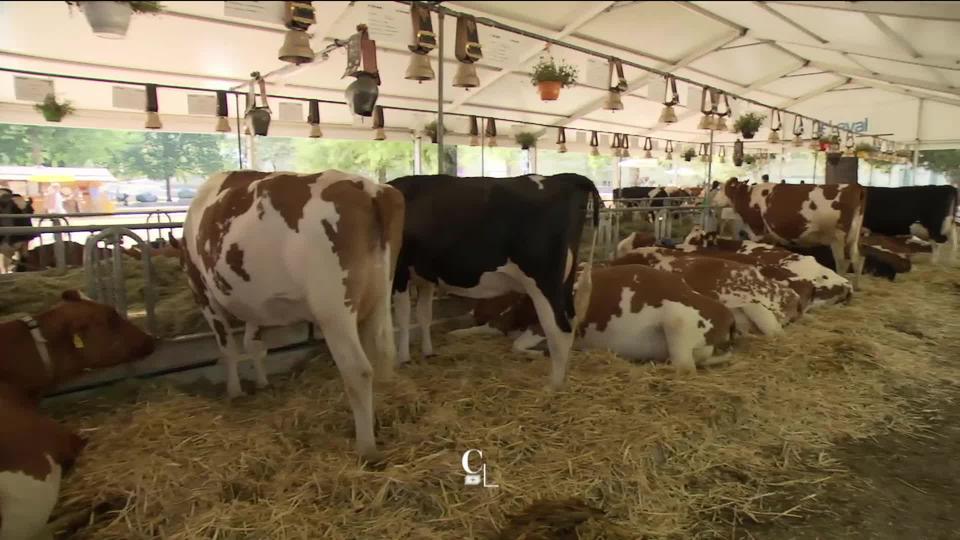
<point x="891" y="64"/>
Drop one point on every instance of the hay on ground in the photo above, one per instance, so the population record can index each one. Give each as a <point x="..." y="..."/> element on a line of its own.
<point x="660" y="455"/>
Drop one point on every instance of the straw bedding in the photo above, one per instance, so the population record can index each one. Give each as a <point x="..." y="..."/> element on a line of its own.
<point x="625" y="451"/>
<point x="176" y="312"/>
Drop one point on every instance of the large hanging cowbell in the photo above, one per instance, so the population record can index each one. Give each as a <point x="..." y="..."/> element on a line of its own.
<point x="474" y="131"/>
<point x="668" y="150"/>
<point x="668" y="115"/>
<point x="613" y="101"/>
<point x="624" y="146"/>
<point x="257" y="118"/>
<point x="615" y="145"/>
<point x="720" y="122"/>
<point x="775" y="125"/>
<point x="223" y="123"/>
<point x="561" y="140"/>
<point x="738" y="153"/>
<point x="378" y="133"/>
<point x="297" y="17"/>
<point x="648" y="148"/>
<point x="706" y="121"/>
<point x="152" y="108"/>
<point x="362" y="93"/>
<point x="424" y="41"/>
<point x="468" y="52"/>
<point x="491" y="132"/>
<point x="313" y="118"/>
<point x="594" y="144"/>
<point x="797" y="131"/>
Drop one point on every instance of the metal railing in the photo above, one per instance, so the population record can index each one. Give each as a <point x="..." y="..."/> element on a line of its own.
<point x="114" y="291"/>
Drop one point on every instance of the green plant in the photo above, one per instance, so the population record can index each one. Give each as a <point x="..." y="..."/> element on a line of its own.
<point x="864" y="147"/>
<point x="749" y="159"/>
<point x="136" y="7"/>
<point x="749" y="122"/>
<point x="526" y="139"/>
<point x="53" y="111"/>
<point x="689" y="154"/>
<point x="548" y="70"/>
<point x="830" y="139"/>
<point x="430" y="130"/>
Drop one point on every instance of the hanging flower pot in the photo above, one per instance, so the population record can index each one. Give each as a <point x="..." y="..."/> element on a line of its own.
<point x="549" y="77"/>
<point x="864" y="150"/>
<point x="526" y="140"/>
<point x="748" y="124"/>
<point x="53" y="111"/>
<point x="112" y="19"/>
<point x="689" y="154"/>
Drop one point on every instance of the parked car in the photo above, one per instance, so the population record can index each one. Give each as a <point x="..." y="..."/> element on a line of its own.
<point x="147" y="197"/>
<point x="187" y="193"/>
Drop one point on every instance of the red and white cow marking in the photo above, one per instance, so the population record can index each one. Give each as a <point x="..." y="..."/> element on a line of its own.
<point x="802" y="273"/>
<point x="635" y="311"/>
<point x="803" y="215"/>
<point x="759" y="304"/>
<point x="274" y="249"/>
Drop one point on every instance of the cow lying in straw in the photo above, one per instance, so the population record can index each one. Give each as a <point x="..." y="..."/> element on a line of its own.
<point x="635" y="311"/>
<point x="760" y="304"/>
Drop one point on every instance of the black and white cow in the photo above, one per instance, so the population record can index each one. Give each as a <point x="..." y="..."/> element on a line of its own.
<point x="483" y="237"/>
<point x="11" y="244"/>
<point x="924" y="211"/>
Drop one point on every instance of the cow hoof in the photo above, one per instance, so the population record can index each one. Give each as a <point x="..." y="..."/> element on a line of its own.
<point x="373" y="459"/>
<point x="427" y="356"/>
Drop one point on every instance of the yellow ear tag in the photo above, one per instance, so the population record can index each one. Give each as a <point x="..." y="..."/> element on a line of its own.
<point x="77" y="341"/>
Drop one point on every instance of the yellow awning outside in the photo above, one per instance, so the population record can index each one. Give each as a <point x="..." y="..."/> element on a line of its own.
<point x="52" y="178"/>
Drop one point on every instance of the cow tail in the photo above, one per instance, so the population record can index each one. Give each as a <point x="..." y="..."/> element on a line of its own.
<point x="389" y="208"/>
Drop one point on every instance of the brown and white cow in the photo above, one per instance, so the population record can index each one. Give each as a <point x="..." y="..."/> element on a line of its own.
<point x="273" y="249"/>
<point x="39" y="354"/>
<point x="760" y="304"/>
<point x="803" y="215"/>
<point x="635" y="311"/>
<point x="635" y="240"/>
<point x="170" y="249"/>
<point x="802" y="273"/>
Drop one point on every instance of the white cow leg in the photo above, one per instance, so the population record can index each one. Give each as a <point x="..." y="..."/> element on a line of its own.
<point x="343" y="341"/>
<point x="480" y="330"/>
<point x="840" y="263"/>
<point x="681" y="340"/>
<point x="254" y="346"/>
<point x="401" y="307"/>
<point x="558" y="342"/>
<point x="425" y="317"/>
<point x="935" y="249"/>
<point x="763" y="319"/>
<point x="230" y="355"/>
<point x="526" y="341"/>
<point x="376" y="336"/>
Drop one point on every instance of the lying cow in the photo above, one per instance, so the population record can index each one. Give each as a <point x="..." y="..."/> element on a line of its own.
<point x="802" y="215"/>
<point x="635" y="311"/>
<point x="274" y="249"/>
<point x="882" y="256"/>
<point x="803" y="274"/>
<point x="760" y="304"/>
<point x="44" y="256"/>
<point x="483" y="237"/>
<point x="158" y="248"/>
<point x="41" y="353"/>
<point x="924" y="211"/>
<point x="635" y="240"/>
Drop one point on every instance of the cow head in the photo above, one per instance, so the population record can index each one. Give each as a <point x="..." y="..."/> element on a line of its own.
<point x="699" y="237"/>
<point x="94" y="334"/>
<point x="733" y="193"/>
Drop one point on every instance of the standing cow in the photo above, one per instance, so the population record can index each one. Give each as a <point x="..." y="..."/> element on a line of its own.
<point x="13" y="244"/>
<point x="925" y="211"/>
<point x="274" y="249"/>
<point x="802" y="215"/>
<point x="483" y="237"/>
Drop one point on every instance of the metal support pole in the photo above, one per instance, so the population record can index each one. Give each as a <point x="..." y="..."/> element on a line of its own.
<point x="418" y="155"/>
<point x="916" y="149"/>
<point x="440" y="130"/>
<point x="710" y="163"/>
<point x="236" y="101"/>
<point x="815" y="154"/>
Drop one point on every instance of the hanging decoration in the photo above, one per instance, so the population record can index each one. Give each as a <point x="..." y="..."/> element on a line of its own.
<point x="313" y="118"/>
<point x="624" y="146"/>
<point x="615" y="145"/>
<point x="474" y="131"/>
<point x="849" y="145"/>
<point x="648" y="148"/>
<point x="362" y="93"/>
<point x="775" y="125"/>
<point x="704" y="152"/>
<point x="468" y="52"/>
<point x="152" y="108"/>
<point x="561" y="140"/>
<point x="112" y="19"/>
<point x="722" y="154"/>
<point x="720" y="123"/>
<point x="798" y="131"/>
<point x="297" y="17"/>
<point x="257" y="118"/>
<point x="378" y="133"/>
<point x="738" y="153"/>
<point x="816" y="132"/>
<point x="668" y="115"/>
<point x="594" y="144"/>
<point x="491" y="132"/>
<point x="223" y="120"/>
<point x="708" y="121"/>
<point x="424" y="41"/>
<point x="668" y="150"/>
<point x="614" y="101"/>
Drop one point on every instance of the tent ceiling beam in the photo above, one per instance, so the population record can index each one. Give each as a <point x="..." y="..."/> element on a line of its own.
<point x="893" y="79"/>
<point x="903" y="44"/>
<point x="849" y="6"/>
<point x="595" y="9"/>
<point x="910" y="92"/>
<point x="637" y="82"/>
<point x="790" y="22"/>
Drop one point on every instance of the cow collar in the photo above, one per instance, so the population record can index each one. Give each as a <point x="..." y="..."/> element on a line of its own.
<point x="39" y="341"/>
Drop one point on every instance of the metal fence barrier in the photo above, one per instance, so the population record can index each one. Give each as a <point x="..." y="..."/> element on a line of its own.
<point x="114" y="291"/>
